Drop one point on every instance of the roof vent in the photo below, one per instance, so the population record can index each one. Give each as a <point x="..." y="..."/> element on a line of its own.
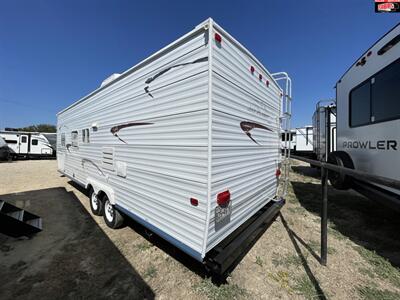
<point x="109" y="79"/>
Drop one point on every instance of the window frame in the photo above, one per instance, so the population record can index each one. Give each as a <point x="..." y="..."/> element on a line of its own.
<point x="370" y="99"/>
<point x="11" y="141"/>
<point x="62" y="139"/>
<point x="85" y="136"/>
<point x="75" y="142"/>
<point x="36" y="140"/>
<point x="307" y="134"/>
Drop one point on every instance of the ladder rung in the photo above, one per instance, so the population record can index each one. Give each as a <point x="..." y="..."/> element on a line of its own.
<point x="18" y="214"/>
<point x="37" y="222"/>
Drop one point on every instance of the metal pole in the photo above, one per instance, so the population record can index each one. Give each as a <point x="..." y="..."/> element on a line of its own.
<point x="324" y="216"/>
<point x="324" y="184"/>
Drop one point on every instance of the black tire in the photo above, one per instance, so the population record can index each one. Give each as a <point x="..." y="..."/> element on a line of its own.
<point x="112" y="216"/>
<point x="340" y="181"/>
<point x="96" y="204"/>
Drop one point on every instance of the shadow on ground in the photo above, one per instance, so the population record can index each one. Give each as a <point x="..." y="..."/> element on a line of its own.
<point x="160" y="243"/>
<point x="307" y="171"/>
<point x="71" y="258"/>
<point x="296" y="240"/>
<point x="177" y="254"/>
<point x="362" y="220"/>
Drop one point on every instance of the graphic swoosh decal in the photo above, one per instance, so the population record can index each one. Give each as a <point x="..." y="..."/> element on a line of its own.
<point x="66" y="127"/>
<point x="114" y="130"/>
<point x="84" y="160"/>
<point x="248" y="126"/>
<point x="151" y="79"/>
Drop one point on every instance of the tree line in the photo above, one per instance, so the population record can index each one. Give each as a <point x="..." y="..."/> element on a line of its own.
<point x="35" y="128"/>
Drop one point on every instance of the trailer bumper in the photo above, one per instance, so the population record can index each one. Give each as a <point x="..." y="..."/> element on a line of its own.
<point x="224" y="257"/>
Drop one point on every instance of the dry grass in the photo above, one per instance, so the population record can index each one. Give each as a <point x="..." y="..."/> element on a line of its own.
<point x="363" y="260"/>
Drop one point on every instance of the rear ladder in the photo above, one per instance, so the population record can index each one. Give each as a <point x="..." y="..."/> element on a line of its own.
<point x="286" y="114"/>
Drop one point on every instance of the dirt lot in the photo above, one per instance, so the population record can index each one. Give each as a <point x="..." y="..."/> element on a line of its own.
<point x="77" y="256"/>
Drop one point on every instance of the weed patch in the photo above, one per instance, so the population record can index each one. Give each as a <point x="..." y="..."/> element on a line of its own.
<point x="297" y="210"/>
<point x="225" y="291"/>
<point x="259" y="261"/>
<point x="381" y="267"/>
<point x="290" y="260"/>
<point x="282" y="278"/>
<point x="316" y="247"/>
<point x="143" y="246"/>
<point x="151" y="272"/>
<point x="305" y="287"/>
<point x="372" y="293"/>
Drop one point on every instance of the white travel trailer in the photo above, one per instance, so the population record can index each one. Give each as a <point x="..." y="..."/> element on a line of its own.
<point x="304" y="140"/>
<point x="368" y="118"/>
<point x="4" y="150"/>
<point x="29" y="144"/>
<point x="187" y="142"/>
<point x="324" y="117"/>
<point x="290" y="137"/>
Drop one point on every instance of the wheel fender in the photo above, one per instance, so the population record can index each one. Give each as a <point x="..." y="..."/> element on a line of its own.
<point x="100" y="186"/>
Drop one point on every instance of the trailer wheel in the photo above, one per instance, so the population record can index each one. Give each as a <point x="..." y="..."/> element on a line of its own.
<point x="112" y="216"/>
<point x="96" y="204"/>
<point x="340" y="181"/>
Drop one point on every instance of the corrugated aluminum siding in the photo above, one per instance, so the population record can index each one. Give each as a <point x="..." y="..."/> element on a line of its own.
<point x="166" y="158"/>
<point x="244" y="167"/>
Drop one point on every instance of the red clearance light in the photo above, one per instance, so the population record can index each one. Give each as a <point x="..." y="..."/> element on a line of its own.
<point x="278" y="172"/>
<point x="194" y="201"/>
<point x="260" y="76"/>
<point x="223" y="198"/>
<point x="369" y="53"/>
<point x="252" y="69"/>
<point x="267" y="83"/>
<point x="218" y="38"/>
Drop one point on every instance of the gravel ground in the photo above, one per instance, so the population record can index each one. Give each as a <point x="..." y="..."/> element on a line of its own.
<point x="77" y="256"/>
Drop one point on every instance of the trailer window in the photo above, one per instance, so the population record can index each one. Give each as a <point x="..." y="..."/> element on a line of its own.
<point x="360" y="112"/>
<point x="34" y="142"/>
<point x="386" y="94"/>
<point x="62" y="139"/>
<point x="23" y="139"/>
<point x="11" y="141"/>
<point x="74" y="138"/>
<point x="308" y="134"/>
<point x="85" y="136"/>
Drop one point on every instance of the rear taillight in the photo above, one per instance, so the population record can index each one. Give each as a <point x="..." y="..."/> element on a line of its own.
<point x="194" y="201"/>
<point x="223" y="198"/>
<point x="218" y="38"/>
<point x="278" y="172"/>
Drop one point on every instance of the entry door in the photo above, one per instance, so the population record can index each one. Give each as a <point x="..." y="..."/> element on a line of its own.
<point x="23" y="144"/>
<point x="61" y="161"/>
